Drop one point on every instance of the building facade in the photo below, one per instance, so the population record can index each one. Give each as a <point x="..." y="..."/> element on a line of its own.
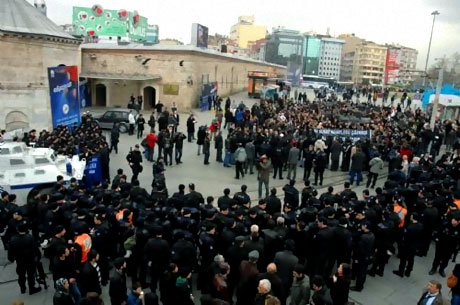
<point x="312" y="50"/>
<point x="245" y="31"/>
<point x="152" y="34"/>
<point x="364" y="60"/>
<point x="400" y="67"/>
<point x="330" y="57"/>
<point x="283" y="46"/>
<point x="173" y="73"/>
<point x="30" y="45"/>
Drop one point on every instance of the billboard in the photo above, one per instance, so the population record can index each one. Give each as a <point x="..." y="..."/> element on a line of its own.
<point x="199" y="35"/>
<point x="65" y="104"/>
<point x="294" y="70"/>
<point x="392" y="64"/>
<point x="99" y="22"/>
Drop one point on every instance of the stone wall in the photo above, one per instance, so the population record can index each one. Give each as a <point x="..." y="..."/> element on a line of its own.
<point x="24" y="91"/>
<point x="197" y="68"/>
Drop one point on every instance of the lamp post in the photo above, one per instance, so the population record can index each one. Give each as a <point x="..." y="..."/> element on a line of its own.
<point x="434" y="13"/>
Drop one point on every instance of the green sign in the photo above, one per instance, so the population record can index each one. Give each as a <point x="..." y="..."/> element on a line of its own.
<point x="88" y="21"/>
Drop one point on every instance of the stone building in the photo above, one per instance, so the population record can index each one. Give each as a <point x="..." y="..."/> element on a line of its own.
<point x="29" y="44"/>
<point x="163" y="73"/>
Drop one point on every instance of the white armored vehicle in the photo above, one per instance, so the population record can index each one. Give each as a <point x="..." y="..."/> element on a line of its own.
<point x="24" y="168"/>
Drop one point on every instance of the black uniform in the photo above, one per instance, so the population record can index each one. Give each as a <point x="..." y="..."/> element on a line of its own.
<point x="24" y="250"/>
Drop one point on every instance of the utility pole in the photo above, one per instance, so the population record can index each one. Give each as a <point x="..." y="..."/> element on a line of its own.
<point x="434" y="111"/>
<point x="435" y="13"/>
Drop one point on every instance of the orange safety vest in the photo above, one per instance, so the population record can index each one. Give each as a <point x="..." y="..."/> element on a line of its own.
<point x="84" y="241"/>
<point x="457" y="202"/>
<point x="119" y="216"/>
<point x="402" y="212"/>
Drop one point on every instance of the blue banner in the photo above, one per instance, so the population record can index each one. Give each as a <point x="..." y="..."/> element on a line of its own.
<point x="93" y="172"/>
<point x="65" y="105"/>
<point x="85" y="94"/>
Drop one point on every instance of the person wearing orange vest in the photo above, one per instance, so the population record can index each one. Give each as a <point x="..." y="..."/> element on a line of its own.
<point x="84" y="242"/>
<point x="401" y="211"/>
<point x="125" y="215"/>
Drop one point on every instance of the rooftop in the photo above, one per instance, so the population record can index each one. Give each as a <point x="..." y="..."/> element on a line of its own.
<point x="19" y="16"/>
<point x="172" y="48"/>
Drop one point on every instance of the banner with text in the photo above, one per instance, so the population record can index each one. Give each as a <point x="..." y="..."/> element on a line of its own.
<point x="353" y="134"/>
<point x="65" y="105"/>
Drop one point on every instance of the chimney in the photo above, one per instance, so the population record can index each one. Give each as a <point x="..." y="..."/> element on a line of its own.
<point x="41" y="6"/>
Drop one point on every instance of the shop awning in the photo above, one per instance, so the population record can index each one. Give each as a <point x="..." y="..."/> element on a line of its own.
<point x="120" y="76"/>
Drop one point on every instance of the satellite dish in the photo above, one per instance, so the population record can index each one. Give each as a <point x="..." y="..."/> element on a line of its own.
<point x="123" y="15"/>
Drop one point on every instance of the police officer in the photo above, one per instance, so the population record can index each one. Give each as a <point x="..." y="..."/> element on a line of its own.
<point x="291" y="194"/>
<point x="363" y="255"/>
<point x="447" y="239"/>
<point x="24" y="249"/>
<point x="410" y="245"/>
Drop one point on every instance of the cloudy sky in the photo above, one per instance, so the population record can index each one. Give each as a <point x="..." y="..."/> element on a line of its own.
<point x="407" y="22"/>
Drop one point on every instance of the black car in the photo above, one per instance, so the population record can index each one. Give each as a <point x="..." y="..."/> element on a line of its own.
<point x="115" y="115"/>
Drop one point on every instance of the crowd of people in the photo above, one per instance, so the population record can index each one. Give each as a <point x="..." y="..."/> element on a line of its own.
<point x="306" y="248"/>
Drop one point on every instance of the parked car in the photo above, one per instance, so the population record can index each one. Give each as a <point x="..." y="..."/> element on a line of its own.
<point x="115" y="115"/>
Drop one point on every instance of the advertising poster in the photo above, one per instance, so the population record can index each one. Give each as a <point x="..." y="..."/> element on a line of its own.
<point x="294" y="70"/>
<point x="85" y="94"/>
<point x="199" y="35"/>
<point x="109" y="23"/>
<point x="393" y="62"/>
<point x="65" y="104"/>
<point x="207" y="90"/>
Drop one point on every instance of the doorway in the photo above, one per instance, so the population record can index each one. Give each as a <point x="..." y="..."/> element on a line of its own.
<point x="149" y="98"/>
<point x="101" y="95"/>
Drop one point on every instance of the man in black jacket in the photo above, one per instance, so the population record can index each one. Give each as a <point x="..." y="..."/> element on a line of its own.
<point x="134" y="158"/>
<point x="357" y="164"/>
<point x="179" y="144"/>
<point x="114" y="138"/>
<point x="156" y="254"/>
<point x="117" y="288"/>
<point x="411" y="243"/>
<point x="24" y="249"/>
<point x="363" y="255"/>
<point x="90" y="277"/>
<point x="191" y="127"/>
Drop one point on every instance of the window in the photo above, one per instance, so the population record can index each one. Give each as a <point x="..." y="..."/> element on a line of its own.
<point x="39" y="172"/>
<point x="16" y="162"/>
<point x="41" y="161"/>
<point x="19" y="175"/>
<point x="4" y="151"/>
<point x="17" y="149"/>
<point x="108" y="115"/>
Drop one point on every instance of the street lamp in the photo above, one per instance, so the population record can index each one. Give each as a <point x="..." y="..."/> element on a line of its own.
<point x="435" y="13"/>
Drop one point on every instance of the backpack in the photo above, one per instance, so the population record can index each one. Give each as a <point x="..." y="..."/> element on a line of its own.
<point x="241" y="155"/>
<point x="452" y="281"/>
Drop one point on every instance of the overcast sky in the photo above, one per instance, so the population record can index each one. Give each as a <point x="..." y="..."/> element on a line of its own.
<point x="407" y="22"/>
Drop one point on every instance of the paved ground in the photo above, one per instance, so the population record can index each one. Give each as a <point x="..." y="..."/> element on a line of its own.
<point x="211" y="180"/>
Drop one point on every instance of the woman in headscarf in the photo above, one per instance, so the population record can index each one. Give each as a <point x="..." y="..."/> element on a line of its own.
<point x="62" y="295"/>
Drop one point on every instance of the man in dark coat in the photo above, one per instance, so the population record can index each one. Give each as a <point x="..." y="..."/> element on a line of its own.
<point x="134" y="159"/>
<point x="248" y="280"/>
<point x="191" y="127"/>
<point x="114" y="138"/>
<point x="336" y="150"/>
<point x="117" y="288"/>
<point x="363" y="255"/>
<point x="90" y="276"/>
<point x="275" y="281"/>
<point x="357" y="165"/>
<point x="285" y="262"/>
<point x="156" y="254"/>
<point x="23" y="249"/>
